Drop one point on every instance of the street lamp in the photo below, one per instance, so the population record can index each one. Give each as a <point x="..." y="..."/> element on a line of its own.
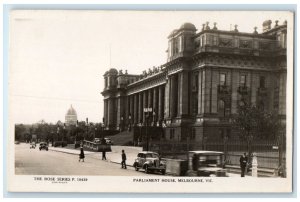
<point x="129" y="118"/>
<point x="121" y="127"/>
<point x="62" y="139"/>
<point x="147" y="112"/>
<point x="95" y="133"/>
<point x="76" y="133"/>
<point x="87" y="125"/>
<point x="57" y="133"/>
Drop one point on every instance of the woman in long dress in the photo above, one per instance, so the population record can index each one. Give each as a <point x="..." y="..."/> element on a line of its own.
<point x="81" y="155"/>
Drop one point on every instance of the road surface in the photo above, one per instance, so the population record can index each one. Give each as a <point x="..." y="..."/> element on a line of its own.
<point x="36" y="162"/>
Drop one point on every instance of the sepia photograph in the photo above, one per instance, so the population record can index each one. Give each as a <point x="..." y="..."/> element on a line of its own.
<point x="150" y="101"/>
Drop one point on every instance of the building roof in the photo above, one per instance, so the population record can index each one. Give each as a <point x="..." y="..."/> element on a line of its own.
<point x="71" y="112"/>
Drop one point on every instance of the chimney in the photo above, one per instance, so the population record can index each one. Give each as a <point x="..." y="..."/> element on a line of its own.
<point x="267" y="25"/>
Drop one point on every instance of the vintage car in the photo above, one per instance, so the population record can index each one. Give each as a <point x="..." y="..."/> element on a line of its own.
<point x="44" y="145"/>
<point x="108" y="141"/>
<point x="32" y="145"/>
<point x="206" y="163"/>
<point x="149" y="161"/>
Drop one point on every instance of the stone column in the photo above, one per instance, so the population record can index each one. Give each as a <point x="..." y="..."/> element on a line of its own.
<point x="167" y="98"/>
<point x="183" y="93"/>
<point x="135" y="109"/>
<point x="200" y="92"/>
<point x="174" y="95"/>
<point x="145" y="104"/>
<point x="155" y="107"/>
<point x="110" y="112"/>
<point x="132" y="108"/>
<point x="160" y="103"/>
<point x="105" y="112"/>
<point x="140" y="111"/>
<point x="150" y="100"/>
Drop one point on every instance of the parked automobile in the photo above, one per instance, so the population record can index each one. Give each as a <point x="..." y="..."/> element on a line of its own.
<point x="149" y="161"/>
<point x="206" y="163"/>
<point x="32" y="145"/>
<point x="108" y="140"/>
<point x="44" y="145"/>
<point x="97" y="140"/>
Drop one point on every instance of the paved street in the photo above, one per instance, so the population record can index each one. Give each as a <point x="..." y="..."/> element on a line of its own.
<point x="36" y="162"/>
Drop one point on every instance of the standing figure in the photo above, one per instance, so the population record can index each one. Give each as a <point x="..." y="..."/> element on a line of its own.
<point x="123" y="163"/>
<point x="103" y="155"/>
<point x="81" y="155"/>
<point x="243" y="164"/>
<point x="195" y="162"/>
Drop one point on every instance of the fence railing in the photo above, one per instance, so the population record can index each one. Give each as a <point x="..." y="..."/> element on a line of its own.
<point x="267" y="151"/>
<point x="96" y="146"/>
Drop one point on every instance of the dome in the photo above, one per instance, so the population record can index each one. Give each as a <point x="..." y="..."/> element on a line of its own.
<point x="113" y="71"/>
<point x="71" y="112"/>
<point x="188" y="25"/>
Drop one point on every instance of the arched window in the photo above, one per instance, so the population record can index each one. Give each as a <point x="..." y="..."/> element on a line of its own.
<point x="221" y="108"/>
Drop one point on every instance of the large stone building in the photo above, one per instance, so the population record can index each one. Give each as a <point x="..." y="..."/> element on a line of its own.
<point x="207" y="76"/>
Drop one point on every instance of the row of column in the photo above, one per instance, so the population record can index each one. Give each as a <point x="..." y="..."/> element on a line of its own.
<point x="152" y="98"/>
<point x="177" y="95"/>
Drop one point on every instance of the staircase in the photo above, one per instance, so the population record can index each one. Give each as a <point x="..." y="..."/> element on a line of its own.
<point x="124" y="138"/>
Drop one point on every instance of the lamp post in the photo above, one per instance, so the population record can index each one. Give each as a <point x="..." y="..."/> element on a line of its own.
<point x="122" y="124"/>
<point x="57" y="133"/>
<point x="87" y="125"/>
<point x="129" y="118"/>
<point x="95" y="133"/>
<point x="62" y="139"/>
<point x="76" y="133"/>
<point x="147" y="112"/>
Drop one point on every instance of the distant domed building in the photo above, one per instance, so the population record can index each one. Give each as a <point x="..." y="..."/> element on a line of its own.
<point x="71" y="116"/>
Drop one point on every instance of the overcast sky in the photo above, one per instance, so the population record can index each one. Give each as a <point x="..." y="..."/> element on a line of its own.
<point x="58" y="58"/>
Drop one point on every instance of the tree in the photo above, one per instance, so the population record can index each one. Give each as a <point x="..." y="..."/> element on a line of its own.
<point x="255" y="123"/>
<point x="20" y="131"/>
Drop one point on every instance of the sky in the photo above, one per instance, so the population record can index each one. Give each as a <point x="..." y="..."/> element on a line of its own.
<point x="58" y="58"/>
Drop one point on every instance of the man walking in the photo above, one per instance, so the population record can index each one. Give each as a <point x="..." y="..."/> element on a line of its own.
<point x="103" y="155"/>
<point x="243" y="164"/>
<point x="123" y="163"/>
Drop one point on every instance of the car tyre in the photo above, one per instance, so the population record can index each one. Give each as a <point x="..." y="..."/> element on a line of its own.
<point x="163" y="172"/>
<point x="146" y="169"/>
<point x="136" y="167"/>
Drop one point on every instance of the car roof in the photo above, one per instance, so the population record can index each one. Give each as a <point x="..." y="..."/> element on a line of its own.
<point x="147" y="152"/>
<point x="206" y="152"/>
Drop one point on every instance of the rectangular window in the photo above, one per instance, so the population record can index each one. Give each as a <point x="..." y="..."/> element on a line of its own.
<point x="243" y="80"/>
<point x="222" y="79"/>
<point x="215" y="40"/>
<point x="202" y="41"/>
<point x="262" y="81"/>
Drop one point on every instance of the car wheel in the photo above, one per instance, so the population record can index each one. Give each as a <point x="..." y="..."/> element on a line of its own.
<point x="136" y="167"/>
<point x="163" y="172"/>
<point x="146" y="169"/>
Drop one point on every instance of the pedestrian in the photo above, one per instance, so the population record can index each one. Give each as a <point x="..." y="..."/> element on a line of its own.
<point x="103" y="155"/>
<point x="123" y="163"/>
<point x="81" y="155"/>
<point x="243" y="164"/>
<point x="195" y="162"/>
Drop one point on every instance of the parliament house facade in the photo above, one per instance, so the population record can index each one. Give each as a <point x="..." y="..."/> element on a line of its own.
<point x="207" y="76"/>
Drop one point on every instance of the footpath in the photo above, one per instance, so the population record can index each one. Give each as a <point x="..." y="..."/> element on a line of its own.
<point x="131" y="153"/>
<point x="114" y="156"/>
